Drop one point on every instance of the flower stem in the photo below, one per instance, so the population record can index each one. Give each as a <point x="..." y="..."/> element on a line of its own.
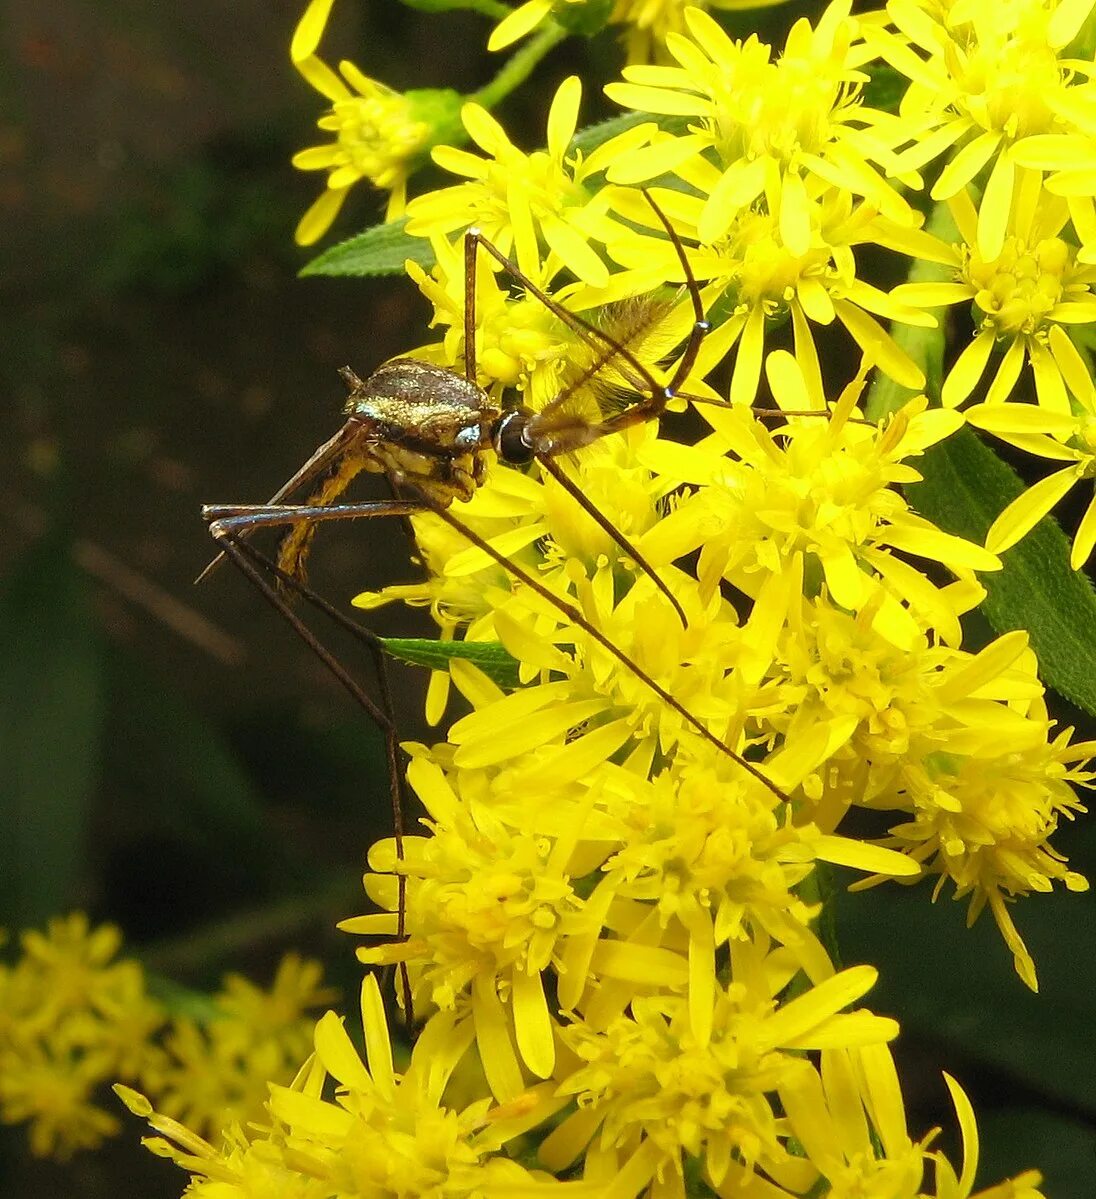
<point x="520" y="66"/>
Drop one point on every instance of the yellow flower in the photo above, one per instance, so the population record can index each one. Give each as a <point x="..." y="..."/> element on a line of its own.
<point x="982" y="79"/>
<point x="984" y="810"/>
<point x="72" y="1017"/>
<point x="755" y="282"/>
<point x="1026" y="298"/>
<point x="486" y="908"/>
<point x="655" y="1087"/>
<point x="218" y="1074"/>
<point x="810" y="501"/>
<point x="380" y="135"/>
<point x="1070" y="158"/>
<point x="1058" y="436"/>
<point x="850" y="1120"/>
<point x="647" y="23"/>
<point x="519" y="200"/>
<point x="382" y="1133"/>
<point x="773" y="126"/>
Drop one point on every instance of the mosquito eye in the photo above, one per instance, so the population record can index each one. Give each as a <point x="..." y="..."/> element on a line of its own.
<point x="510" y="440"/>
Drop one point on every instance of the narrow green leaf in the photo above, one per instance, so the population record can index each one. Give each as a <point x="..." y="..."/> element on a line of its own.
<point x="489" y="656"/>
<point x="381" y="250"/>
<point x="592" y="136"/>
<point x="51" y="723"/>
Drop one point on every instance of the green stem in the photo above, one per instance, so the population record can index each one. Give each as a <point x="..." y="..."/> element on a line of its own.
<point x="489" y="8"/>
<point x="520" y="66"/>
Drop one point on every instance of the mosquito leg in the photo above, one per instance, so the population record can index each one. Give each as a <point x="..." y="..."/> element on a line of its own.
<point x="286" y="515"/>
<point x="599" y="517"/>
<point x="318" y="461"/>
<point x="249" y="560"/>
<point x="572" y="613"/>
<point x="471" y="240"/>
<point x="701" y="327"/>
<point x="387" y="726"/>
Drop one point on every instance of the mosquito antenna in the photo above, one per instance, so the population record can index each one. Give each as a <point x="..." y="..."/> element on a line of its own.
<point x="245" y="558"/>
<point x="594" y="512"/>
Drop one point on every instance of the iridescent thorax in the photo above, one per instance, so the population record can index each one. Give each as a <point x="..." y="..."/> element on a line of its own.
<point x="424" y="424"/>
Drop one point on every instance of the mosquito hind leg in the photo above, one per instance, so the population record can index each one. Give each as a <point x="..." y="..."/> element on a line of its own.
<point x="252" y="564"/>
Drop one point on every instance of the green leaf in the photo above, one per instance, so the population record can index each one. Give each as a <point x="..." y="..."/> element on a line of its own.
<point x="51" y="723"/>
<point x="1062" y="1150"/>
<point x="588" y="139"/>
<point x="966" y="485"/>
<point x="955" y="987"/>
<point x="489" y="656"/>
<point x="381" y="250"/>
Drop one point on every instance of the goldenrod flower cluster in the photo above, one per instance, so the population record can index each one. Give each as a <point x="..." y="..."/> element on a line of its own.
<point x="608" y="922"/>
<point x="75" y="1017"/>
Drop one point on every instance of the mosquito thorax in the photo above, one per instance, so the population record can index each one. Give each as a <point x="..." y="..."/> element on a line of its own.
<point x="424" y="424"/>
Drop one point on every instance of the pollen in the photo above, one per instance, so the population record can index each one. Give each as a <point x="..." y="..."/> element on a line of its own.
<point x="1017" y="290"/>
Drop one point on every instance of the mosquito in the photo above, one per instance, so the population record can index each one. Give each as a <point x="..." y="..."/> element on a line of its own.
<point x="430" y="429"/>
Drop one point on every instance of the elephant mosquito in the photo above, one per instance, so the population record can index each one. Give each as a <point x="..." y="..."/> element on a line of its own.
<point x="429" y="430"/>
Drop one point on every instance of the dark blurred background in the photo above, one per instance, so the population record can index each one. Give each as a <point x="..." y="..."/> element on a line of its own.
<point x="170" y="757"/>
<point x="159" y="352"/>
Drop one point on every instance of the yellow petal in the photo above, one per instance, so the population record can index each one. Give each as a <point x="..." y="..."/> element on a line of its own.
<point x="317" y="220"/>
<point x="1025" y="512"/>
<point x="1085" y="539"/>
<point x="306" y="37"/>
<point x="378" y="1046"/>
<point x="323" y="79"/>
<point x="965" y="165"/>
<point x="575" y="251"/>
<point x="516" y="25"/>
<point x="484" y="130"/>
<point x="563" y="116"/>
<point x="795" y="215"/>
<point x="1004" y="381"/>
<point x="493" y="1040"/>
<point x="968" y="1130"/>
